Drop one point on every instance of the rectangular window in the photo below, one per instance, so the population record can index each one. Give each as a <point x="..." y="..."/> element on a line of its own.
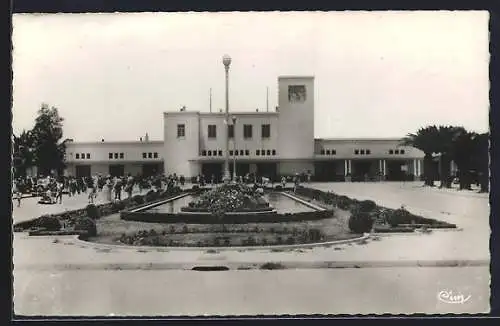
<point x="334" y="152"/>
<point x="236" y="153"/>
<point x="83" y="156"/>
<point x="181" y="130"/>
<point x="155" y="155"/>
<point x="110" y="155"/>
<point x="242" y="152"/>
<point x="230" y="153"/>
<point x="204" y="153"/>
<point x="88" y="156"/>
<point x="296" y="93"/>
<point x="220" y="153"/>
<point x="402" y="151"/>
<point x="327" y="152"/>
<point x="368" y="152"/>
<point x="247" y="152"/>
<point x="391" y="151"/>
<point x="257" y="152"/>
<point x="266" y="131"/>
<point x="230" y="131"/>
<point x="247" y="131"/>
<point x="150" y="155"/>
<point x="396" y="151"/>
<point x="144" y="155"/>
<point x="322" y="152"/>
<point x="209" y="153"/>
<point x="356" y="152"/>
<point x="77" y="155"/>
<point x="274" y="152"/>
<point x="362" y="152"/>
<point x="116" y="155"/>
<point x="268" y="152"/>
<point x="212" y="131"/>
<point x="122" y="155"/>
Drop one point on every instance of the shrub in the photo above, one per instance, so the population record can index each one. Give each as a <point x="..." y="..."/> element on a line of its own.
<point x="151" y="195"/>
<point x="172" y="229"/>
<point x="314" y="235"/>
<point x="92" y="211"/>
<point x="360" y="222"/>
<point x="290" y="240"/>
<point x="139" y="200"/>
<point x="343" y="202"/>
<point x="227" y="241"/>
<point x="251" y="241"/>
<point x="279" y="240"/>
<point x="278" y="187"/>
<point x="87" y="225"/>
<point x="399" y="216"/>
<point x="270" y="266"/>
<point x="117" y="206"/>
<point x="50" y="223"/>
<point x="185" y="229"/>
<point x="195" y="187"/>
<point x="152" y="233"/>
<point x="367" y="206"/>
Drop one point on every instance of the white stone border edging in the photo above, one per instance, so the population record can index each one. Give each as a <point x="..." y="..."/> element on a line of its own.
<point x="76" y="239"/>
<point x="306" y="203"/>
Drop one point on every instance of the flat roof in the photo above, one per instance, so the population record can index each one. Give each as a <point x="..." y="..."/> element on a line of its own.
<point x="205" y="113"/>
<point x="295" y="77"/>
<point x="362" y="139"/>
<point x="125" y="142"/>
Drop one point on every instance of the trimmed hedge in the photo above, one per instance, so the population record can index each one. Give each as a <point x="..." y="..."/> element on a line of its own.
<point x="361" y="222"/>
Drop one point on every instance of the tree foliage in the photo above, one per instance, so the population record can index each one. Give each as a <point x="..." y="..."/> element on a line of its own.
<point x="42" y="146"/>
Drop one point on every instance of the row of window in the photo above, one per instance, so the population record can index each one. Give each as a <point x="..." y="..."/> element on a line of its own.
<point x="212" y="131"/>
<point x="362" y="152"/>
<point x="328" y="152"/>
<point x="150" y="155"/>
<point x="116" y="155"/>
<point x="241" y="152"/>
<point x="401" y="151"/>
<point x="82" y="156"/>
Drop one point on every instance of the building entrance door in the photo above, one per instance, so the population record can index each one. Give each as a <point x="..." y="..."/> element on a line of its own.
<point x="82" y="171"/>
<point x="151" y="169"/>
<point x="209" y="169"/>
<point x="117" y="170"/>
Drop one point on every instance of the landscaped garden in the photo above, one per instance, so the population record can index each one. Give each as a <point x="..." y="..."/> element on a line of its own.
<point x="340" y="218"/>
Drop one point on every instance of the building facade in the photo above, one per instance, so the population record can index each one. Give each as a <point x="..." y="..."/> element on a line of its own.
<point x="269" y="144"/>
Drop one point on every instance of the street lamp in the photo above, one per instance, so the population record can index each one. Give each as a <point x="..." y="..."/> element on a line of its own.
<point x="234" y="148"/>
<point x="226" y="60"/>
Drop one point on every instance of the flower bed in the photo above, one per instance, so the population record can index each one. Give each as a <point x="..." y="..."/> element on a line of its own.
<point x="366" y="215"/>
<point x="229" y="198"/>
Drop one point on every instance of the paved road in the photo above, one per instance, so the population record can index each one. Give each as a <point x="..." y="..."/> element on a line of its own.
<point x="325" y="291"/>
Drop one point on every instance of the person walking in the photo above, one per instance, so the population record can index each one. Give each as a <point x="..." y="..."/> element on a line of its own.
<point x="19" y="195"/>
<point x="59" y="192"/>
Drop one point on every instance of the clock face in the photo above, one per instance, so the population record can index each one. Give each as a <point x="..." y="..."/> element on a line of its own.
<point x="296" y="93"/>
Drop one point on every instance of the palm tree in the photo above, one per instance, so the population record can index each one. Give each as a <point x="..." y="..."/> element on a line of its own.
<point x="446" y="137"/>
<point x="427" y="140"/>
<point x="463" y="152"/>
<point x="481" y="160"/>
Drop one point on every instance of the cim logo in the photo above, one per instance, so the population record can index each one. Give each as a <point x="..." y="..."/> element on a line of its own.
<point x="448" y="296"/>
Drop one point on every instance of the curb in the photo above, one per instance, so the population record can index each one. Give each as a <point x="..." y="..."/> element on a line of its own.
<point x="255" y="265"/>
<point x="76" y="239"/>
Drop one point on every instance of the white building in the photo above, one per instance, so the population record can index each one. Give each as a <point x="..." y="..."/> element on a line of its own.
<point x="267" y="143"/>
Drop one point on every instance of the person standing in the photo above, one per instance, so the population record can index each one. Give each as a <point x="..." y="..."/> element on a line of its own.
<point x="118" y="189"/>
<point x="17" y="192"/>
<point x="109" y="189"/>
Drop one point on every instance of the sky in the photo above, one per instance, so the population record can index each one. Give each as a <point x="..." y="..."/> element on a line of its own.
<point x="377" y="74"/>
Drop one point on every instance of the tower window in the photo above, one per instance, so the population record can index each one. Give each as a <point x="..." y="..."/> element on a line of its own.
<point x="212" y="131"/>
<point x="266" y="131"/>
<point x="181" y="130"/>
<point x="247" y="131"/>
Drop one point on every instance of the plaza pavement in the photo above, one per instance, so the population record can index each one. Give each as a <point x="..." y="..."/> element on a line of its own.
<point x="396" y="257"/>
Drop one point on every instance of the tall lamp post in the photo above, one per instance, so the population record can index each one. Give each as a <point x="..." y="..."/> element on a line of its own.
<point x="226" y="60"/>
<point x="234" y="148"/>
